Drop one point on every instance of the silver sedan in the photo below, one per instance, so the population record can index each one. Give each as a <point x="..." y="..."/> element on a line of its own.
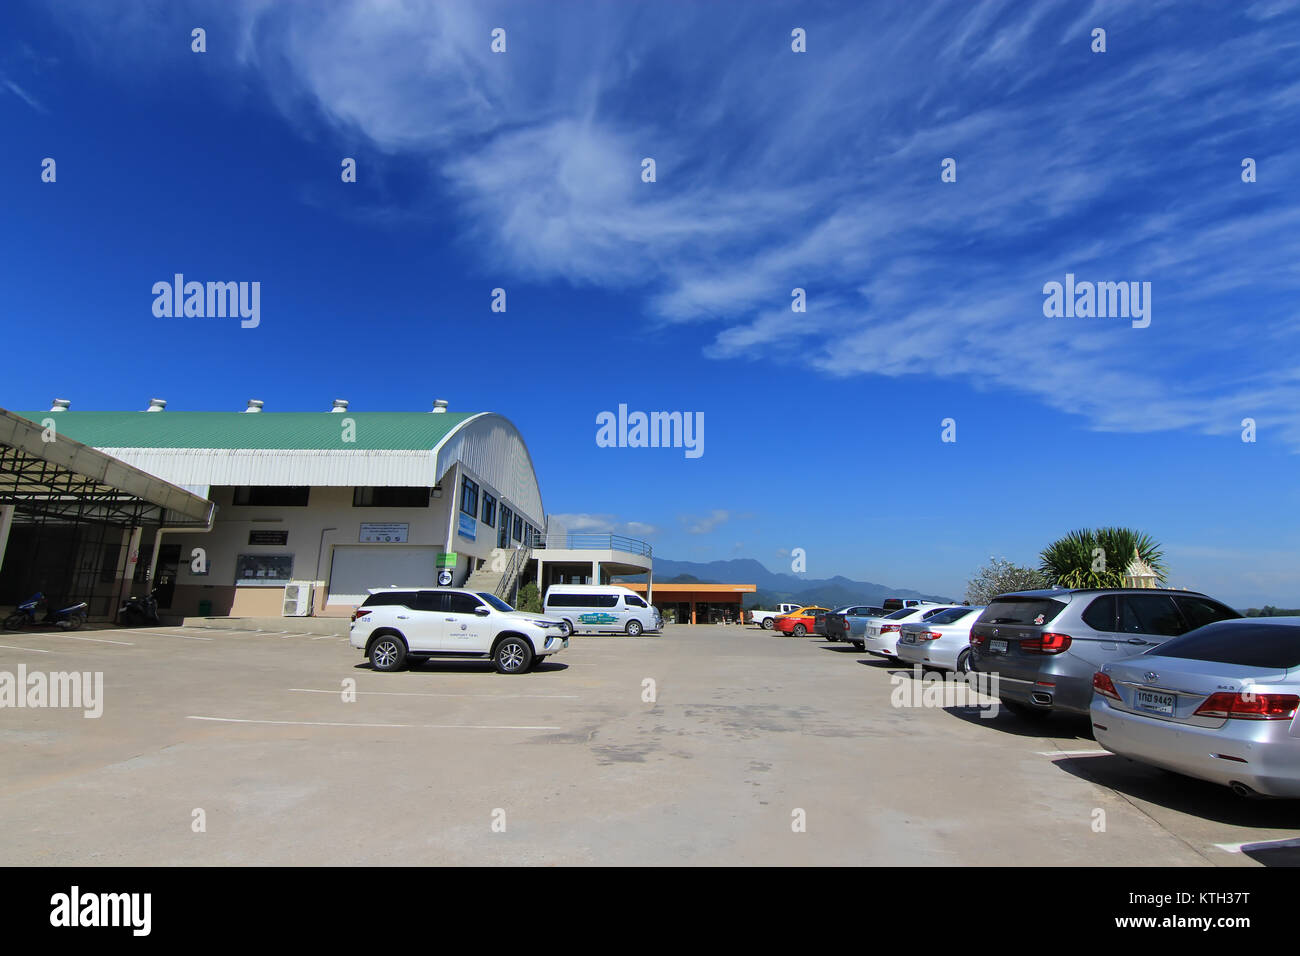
<point x="1218" y="703"/>
<point x="943" y="640"/>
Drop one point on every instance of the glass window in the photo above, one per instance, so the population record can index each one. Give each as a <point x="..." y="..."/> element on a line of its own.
<point x="1021" y="611"/>
<point x="269" y="496"/>
<point x="469" y="496"/>
<point x="267" y="569"/>
<point x="631" y="600"/>
<point x="901" y="613"/>
<point x="1149" y="614"/>
<point x="391" y="599"/>
<point x="1245" y="641"/>
<point x="603" y="600"/>
<point x="950" y="615"/>
<point x="519" y="528"/>
<point x="431" y="601"/>
<point x="503" y="536"/>
<point x="489" y="510"/>
<point x="460" y="603"/>
<point x="1100" y="615"/>
<point x="495" y="601"/>
<point x="402" y="497"/>
<point x="1199" y="611"/>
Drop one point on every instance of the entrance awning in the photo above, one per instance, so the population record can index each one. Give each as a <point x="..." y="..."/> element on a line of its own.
<point x="43" y="473"/>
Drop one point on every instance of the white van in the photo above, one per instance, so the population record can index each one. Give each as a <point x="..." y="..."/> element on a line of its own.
<point x="601" y="609"/>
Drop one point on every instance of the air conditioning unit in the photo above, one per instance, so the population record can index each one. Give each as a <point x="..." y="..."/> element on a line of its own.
<point x="297" y="599"/>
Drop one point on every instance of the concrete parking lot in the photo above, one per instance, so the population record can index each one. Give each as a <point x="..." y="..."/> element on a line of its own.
<point x="454" y="764"/>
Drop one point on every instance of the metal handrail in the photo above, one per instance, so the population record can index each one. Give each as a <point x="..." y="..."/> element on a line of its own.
<point x="585" y="542"/>
<point x="507" y="586"/>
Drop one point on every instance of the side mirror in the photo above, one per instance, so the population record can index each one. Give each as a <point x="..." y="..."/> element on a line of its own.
<point x="482" y="611"/>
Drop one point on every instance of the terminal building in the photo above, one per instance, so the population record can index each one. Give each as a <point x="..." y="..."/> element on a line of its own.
<point x="257" y="513"/>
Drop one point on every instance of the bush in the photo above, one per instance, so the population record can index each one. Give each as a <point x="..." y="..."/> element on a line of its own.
<point x="530" y="599"/>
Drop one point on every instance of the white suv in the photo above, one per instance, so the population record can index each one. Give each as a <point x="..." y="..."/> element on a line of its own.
<point x="397" y="626"/>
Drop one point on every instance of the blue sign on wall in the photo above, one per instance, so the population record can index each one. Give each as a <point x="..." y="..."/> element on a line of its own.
<point x="468" y="526"/>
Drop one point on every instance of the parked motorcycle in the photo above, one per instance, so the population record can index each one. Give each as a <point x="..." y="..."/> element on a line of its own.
<point x="139" y="611"/>
<point x="28" y="613"/>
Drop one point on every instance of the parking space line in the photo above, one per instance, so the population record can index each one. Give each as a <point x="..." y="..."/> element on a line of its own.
<point x="325" y="637"/>
<point x="1074" y="753"/>
<point x="327" y="723"/>
<point x="399" y="693"/>
<point x="93" y="640"/>
<point x="179" y="637"/>
<point x="37" y="650"/>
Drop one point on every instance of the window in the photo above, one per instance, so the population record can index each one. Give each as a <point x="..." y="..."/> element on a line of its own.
<point x="469" y="496"/>
<point x="391" y="599"/>
<point x="1245" y="642"/>
<point x="519" y="528"/>
<point x="401" y="497"/>
<point x="950" y="615"/>
<point x="1100" y="615"/>
<point x="489" y="510"/>
<point x="632" y="600"/>
<point x="503" y="536"/>
<point x="460" y="603"/>
<point x="1149" y="614"/>
<point x="263" y="569"/>
<point x="1021" y="611"/>
<point x="284" y="496"/>
<point x="495" y="601"/>
<point x="435" y="601"/>
<point x="1201" y="611"/>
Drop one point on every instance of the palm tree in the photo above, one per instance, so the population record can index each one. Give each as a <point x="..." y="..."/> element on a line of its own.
<point x="1098" y="558"/>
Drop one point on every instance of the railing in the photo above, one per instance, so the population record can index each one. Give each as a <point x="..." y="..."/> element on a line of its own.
<point x="592" y="542"/>
<point x="508" y="586"/>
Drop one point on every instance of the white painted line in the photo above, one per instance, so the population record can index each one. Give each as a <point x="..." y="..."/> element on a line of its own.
<point x="1074" y="753"/>
<point x="1266" y="845"/>
<point x="181" y="637"/>
<point x="397" y="693"/>
<point x="93" y="640"/>
<point x="36" y="650"/>
<point x="326" y="723"/>
<point x="325" y="638"/>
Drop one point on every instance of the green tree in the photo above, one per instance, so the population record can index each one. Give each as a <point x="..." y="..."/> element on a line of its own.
<point x="1098" y="558"/>
<point x="529" y="599"/>
<point x="1000" y="576"/>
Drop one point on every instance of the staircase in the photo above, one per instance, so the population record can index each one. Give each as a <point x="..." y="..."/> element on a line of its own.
<point x="504" y="584"/>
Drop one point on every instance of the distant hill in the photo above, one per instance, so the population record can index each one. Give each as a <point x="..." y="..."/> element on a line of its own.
<point x="774" y="588"/>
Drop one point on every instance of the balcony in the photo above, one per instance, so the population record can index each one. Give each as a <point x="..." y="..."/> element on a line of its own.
<point x="594" y="557"/>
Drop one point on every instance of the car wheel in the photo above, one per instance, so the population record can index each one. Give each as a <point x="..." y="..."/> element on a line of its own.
<point x="513" y="656"/>
<point x="633" y="628"/>
<point x="800" y="630"/>
<point x="768" y="624"/>
<point x="963" y="662"/>
<point x="388" y="653"/>
<point x="1024" y="710"/>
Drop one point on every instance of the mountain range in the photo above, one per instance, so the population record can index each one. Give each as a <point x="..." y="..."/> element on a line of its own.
<point x="774" y="587"/>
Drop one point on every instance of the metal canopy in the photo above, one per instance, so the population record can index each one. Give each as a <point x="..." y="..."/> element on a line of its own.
<point x="64" y="478"/>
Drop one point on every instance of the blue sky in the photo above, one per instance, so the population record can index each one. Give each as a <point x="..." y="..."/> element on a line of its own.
<point x="775" y="170"/>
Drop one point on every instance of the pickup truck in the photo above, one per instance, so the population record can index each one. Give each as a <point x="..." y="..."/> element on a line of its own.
<point x="766" y="619"/>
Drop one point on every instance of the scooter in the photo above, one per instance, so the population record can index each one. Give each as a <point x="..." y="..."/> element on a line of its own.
<point x="139" y="611"/>
<point x="25" y="615"/>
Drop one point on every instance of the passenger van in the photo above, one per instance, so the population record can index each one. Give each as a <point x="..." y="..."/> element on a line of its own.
<point x="600" y="609"/>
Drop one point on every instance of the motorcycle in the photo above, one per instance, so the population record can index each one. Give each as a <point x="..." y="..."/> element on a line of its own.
<point x="139" y="611"/>
<point x="25" y="615"/>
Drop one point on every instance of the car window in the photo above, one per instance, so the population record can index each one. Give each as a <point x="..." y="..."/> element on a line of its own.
<point x="931" y="612"/>
<point x="1199" y="611"/>
<point x="1243" y="641"/>
<point x="1100" y="615"/>
<point x="901" y="613"/>
<point x="431" y="601"/>
<point x="1021" y="610"/>
<point x="495" y="601"/>
<point x="390" y="599"/>
<point x="1149" y="614"/>
<point x="459" y="603"/>
<point x="950" y="615"/>
<point x="632" y="600"/>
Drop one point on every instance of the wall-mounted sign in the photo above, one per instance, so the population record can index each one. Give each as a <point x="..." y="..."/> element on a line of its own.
<point x="444" y="577"/>
<point x="384" y="533"/>
<point x="468" y="527"/>
<point x="277" y="538"/>
<point x="263" y="569"/>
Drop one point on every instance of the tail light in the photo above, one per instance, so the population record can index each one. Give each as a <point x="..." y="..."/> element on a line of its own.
<point x="1249" y="706"/>
<point x="931" y="636"/>
<point x="1046" y="643"/>
<point x="359" y="613"/>
<point x="978" y="640"/>
<point x="890" y="628"/>
<point x="1103" y="685"/>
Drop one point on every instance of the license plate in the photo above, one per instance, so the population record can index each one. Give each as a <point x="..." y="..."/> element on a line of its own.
<point x="997" y="647"/>
<point x="909" y="639"/>
<point x="1154" y="703"/>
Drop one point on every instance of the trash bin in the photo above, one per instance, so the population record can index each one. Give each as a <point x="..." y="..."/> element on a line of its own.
<point x="205" y="609"/>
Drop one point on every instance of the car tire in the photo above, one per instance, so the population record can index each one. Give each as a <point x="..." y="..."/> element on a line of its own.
<point x="768" y="624"/>
<point x="388" y="653"/>
<point x="1024" y="710"/>
<point x="633" y="628"/>
<point x="963" y="663"/>
<point x="800" y="630"/>
<point x="513" y="655"/>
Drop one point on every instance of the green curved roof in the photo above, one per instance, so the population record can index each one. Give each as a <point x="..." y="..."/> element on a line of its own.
<point x="375" y="431"/>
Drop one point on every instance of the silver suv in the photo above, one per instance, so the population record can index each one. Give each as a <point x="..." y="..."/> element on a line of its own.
<point x="1044" y="646"/>
<point x="395" y="627"/>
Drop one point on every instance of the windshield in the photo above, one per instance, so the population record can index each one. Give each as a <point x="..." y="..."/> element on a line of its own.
<point x="950" y="616"/>
<point x="495" y="601"/>
<point x="1021" y="610"/>
<point x="901" y="613"/>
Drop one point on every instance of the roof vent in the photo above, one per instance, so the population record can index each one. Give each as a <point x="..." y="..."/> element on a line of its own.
<point x="440" y="406"/>
<point x="157" y="405"/>
<point x="60" y="405"/>
<point x="340" y="405"/>
<point x="254" y="405"/>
